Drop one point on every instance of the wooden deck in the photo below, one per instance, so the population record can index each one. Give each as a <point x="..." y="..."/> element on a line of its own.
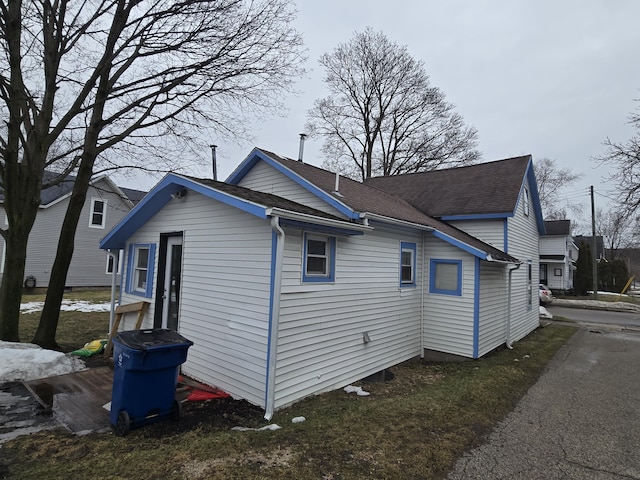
<point x="77" y="399"/>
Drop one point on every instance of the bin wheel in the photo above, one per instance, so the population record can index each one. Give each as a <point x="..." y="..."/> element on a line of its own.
<point x="123" y="424"/>
<point x="176" y="410"/>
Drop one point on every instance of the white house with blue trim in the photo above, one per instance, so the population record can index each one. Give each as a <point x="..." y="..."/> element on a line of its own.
<point x="292" y="281"/>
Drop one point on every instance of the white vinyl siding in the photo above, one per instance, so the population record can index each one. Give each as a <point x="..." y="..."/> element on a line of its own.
<point x="448" y="318"/>
<point x="523" y="231"/>
<point x="87" y="268"/>
<point x="264" y="178"/>
<point x="493" y="307"/>
<point x="320" y="341"/>
<point x="489" y="231"/>
<point x="224" y="304"/>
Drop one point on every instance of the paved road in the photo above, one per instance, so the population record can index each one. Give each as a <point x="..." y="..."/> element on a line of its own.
<point x="623" y="319"/>
<point x="580" y="421"/>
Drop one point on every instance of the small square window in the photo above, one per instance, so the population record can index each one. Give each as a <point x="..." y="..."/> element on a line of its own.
<point x="445" y="277"/>
<point x="407" y="264"/>
<point x="319" y="258"/>
<point x="98" y="214"/>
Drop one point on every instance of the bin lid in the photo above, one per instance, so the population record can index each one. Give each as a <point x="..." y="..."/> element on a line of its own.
<point x="152" y="338"/>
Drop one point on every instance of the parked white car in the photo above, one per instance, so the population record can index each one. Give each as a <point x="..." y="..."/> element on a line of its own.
<point x="544" y="292"/>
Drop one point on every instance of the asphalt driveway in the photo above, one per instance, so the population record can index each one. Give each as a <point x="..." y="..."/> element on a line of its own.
<point x="580" y="421"/>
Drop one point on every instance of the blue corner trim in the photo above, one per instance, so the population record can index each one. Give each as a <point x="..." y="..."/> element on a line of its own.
<point x="530" y="180"/>
<point x="158" y="197"/>
<point x="463" y="246"/>
<point x="274" y="247"/>
<point x="257" y="155"/>
<point x="476" y="309"/>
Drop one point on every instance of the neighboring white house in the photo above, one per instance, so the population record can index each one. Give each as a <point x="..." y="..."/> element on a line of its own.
<point x="558" y="254"/>
<point x="105" y="206"/>
<point x="292" y="281"/>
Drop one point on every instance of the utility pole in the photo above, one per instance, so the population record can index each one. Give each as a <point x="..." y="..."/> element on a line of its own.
<point x="594" y="246"/>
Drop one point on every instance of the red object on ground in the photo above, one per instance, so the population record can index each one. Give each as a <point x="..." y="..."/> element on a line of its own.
<point x="199" y="391"/>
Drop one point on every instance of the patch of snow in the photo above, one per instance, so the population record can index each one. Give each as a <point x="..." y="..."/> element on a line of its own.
<point x="26" y="361"/>
<point x="298" y="419"/>
<point x="544" y="313"/>
<point x="271" y="426"/>
<point x="68" y="306"/>
<point x="357" y="390"/>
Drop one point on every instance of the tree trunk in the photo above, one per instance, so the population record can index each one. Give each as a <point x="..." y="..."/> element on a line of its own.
<point x="45" y="335"/>
<point x="11" y="288"/>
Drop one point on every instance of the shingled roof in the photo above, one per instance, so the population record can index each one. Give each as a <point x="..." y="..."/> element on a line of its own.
<point x="484" y="188"/>
<point x="365" y="198"/>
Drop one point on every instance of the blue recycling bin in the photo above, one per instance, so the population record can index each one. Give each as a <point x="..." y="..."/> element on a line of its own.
<point x="145" y="376"/>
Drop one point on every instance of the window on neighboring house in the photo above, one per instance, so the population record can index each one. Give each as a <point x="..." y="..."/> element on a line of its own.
<point x="98" y="213"/>
<point x="110" y="263"/>
<point x="529" y="285"/>
<point x="525" y="201"/>
<point x="140" y="269"/>
<point x="407" y="264"/>
<point x="445" y="277"/>
<point x="319" y="258"/>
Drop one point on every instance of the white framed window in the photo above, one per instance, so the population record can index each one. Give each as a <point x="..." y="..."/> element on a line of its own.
<point x="140" y="262"/>
<point x="407" y="264"/>
<point x="319" y="258"/>
<point x="445" y="277"/>
<point x="110" y="262"/>
<point x="98" y="213"/>
<point x="526" y="203"/>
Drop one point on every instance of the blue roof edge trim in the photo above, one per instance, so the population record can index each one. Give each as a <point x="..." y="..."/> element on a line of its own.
<point x="530" y="178"/>
<point x="158" y="197"/>
<point x="479" y="216"/>
<point x="256" y="155"/>
<point x="463" y="246"/>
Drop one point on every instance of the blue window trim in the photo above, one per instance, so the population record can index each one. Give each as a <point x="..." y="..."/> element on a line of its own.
<point x="432" y="277"/>
<point x="413" y="248"/>
<point x="131" y="254"/>
<point x="331" y="274"/>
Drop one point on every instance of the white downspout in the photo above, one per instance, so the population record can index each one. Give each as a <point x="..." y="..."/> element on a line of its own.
<point x="511" y="268"/>
<point x="422" y="286"/>
<point x="114" y="274"/>
<point x="275" y="318"/>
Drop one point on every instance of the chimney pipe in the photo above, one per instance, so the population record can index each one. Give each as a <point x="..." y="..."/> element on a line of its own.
<point x="301" y="151"/>
<point x="213" y="161"/>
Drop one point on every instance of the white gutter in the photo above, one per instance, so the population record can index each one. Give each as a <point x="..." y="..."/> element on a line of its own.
<point x="511" y="268"/>
<point x="275" y="318"/>
<point x="114" y="274"/>
<point x="303" y="217"/>
<point x="373" y="216"/>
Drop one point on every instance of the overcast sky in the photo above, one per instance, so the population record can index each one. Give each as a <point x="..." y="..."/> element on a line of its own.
<point x="549" y="78"/>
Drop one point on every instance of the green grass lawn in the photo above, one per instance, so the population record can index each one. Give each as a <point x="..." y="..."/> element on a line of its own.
<point x="412" y="427"/>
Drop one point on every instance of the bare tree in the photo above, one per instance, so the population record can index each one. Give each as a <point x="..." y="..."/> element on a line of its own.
<point x="551" y="182"/>
<point x="81" y="82"/>
<point x="625" y="160"/>
<point x="383" y="117"/>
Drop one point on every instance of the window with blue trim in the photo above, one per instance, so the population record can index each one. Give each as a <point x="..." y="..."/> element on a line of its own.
<point x="319" y="258"/>
<point x="407" y="264"/>
<point x="140" y="269"/>
<point x="445" y="277"/>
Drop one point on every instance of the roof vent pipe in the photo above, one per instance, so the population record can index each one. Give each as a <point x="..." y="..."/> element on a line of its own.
<point x="301" y="151"/>
<point x="337" y="189"/>
<point x="213" y="161"/>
